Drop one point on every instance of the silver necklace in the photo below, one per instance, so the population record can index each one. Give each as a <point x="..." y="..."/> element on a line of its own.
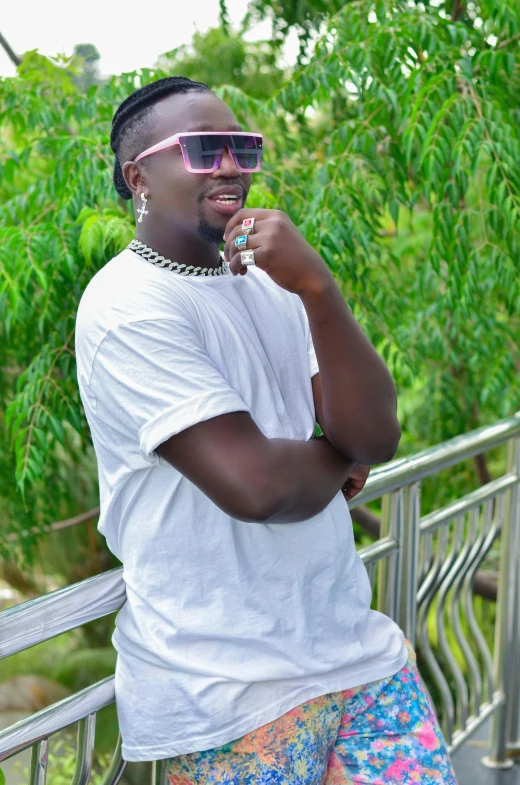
<point x="152" y="256"/>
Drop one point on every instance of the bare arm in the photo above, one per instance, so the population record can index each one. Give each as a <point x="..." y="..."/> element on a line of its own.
<point x="358" y="394"/>
<point x="253" y="478"/>
<point x="354" y="392"/>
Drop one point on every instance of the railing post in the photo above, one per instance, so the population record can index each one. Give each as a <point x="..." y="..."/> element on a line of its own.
<point x="39" y="760"/>
<point x="159" y="775"/>
<point x="390" y="569"/>
<point x="410" y="561"/>
<point x="513" y="724"/>
<point x="505" y="668"/>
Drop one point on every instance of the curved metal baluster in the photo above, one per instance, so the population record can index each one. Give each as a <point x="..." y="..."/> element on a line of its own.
<point x="486" y="539"/>
<point x="454" y="612"/>
<point x="461" y="687"/>
<point x="425" y="551"/>
<point x="85" y="752"/>
<point x="430" y="570"/>
<point x="438" y="571"/>
<point x="39" y="760"/>
<point x="116" y="768"/>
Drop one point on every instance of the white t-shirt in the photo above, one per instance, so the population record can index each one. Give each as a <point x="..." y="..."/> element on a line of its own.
<point x="227" y="624"/>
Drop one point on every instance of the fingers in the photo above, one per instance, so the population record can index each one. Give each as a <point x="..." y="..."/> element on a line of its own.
<point x="257" y="213"/>
<point x="235" y="262"/>
<point x="230" y="248"/>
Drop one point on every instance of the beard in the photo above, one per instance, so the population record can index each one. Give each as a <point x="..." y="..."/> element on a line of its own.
<point x="209" y="233"/>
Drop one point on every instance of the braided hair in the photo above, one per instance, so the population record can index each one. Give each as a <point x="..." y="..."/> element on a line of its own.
<point x="131" y="124"/>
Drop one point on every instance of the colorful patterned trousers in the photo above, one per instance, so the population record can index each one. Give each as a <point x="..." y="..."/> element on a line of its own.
<point x="383" y="732"/>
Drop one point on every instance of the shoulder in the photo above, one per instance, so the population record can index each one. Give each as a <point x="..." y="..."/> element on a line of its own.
<point x="127" y="291"/>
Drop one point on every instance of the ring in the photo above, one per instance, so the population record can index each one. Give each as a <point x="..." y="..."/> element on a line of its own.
<point x="247" y="258"/>
<point x="241" y="242"/>
<point x="248" y="225"/>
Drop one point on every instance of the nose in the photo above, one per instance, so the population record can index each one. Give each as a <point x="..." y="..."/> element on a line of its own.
<point x="227" y="167"/>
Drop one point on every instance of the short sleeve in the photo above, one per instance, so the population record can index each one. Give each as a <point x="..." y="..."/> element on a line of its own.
<point x="153" y="378"/>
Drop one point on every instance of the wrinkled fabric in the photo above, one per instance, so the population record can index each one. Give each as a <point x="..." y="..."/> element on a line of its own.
<point x="227" y="624"/>
<point x="383" y="732"/>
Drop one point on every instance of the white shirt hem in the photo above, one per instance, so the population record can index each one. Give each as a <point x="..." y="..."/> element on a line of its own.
<point x="269" y="714"/>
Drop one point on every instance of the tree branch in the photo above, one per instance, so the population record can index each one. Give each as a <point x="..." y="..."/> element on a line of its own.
<point x="16" y="59"/>
<point x="56" y="526"/>
<point x="457" y="10"/>
<point x="482" y="469"/>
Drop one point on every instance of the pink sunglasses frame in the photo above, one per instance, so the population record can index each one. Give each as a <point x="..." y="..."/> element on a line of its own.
<point x="175" y="139"/>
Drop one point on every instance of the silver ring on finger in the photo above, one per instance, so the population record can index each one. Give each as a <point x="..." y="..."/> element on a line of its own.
<point x="247" y="258"/>
<point x="248" y="225"/>
<point x="241" y="242"/>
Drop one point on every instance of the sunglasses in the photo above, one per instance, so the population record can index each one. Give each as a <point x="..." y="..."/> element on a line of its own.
<point x="202" y="150"/>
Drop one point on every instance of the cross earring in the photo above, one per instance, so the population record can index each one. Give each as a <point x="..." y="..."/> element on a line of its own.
<point x="142" y="211"/>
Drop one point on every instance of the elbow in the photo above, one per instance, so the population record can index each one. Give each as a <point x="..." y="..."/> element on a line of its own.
<point x="372" y="447"/>
<point x="384" y="448"/>
<point x="258" y="502"/>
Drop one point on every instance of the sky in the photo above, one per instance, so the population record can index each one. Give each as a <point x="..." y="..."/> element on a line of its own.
<point x="128" y="36"/>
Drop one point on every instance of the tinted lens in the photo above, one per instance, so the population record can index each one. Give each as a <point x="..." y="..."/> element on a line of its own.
<point x="205" y="150"/>
<point x="246" y="150"/>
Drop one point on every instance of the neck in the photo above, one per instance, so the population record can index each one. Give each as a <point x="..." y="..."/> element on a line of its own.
<point x="179" y="245"/>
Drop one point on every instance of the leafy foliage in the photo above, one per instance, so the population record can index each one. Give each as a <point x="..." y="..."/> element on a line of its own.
<point x="308" y="17"/>
<point x="221" y="56"/>
<point x="399" y="166"/>
<point x="394" y="149"/>
<point x="55" y="169"/>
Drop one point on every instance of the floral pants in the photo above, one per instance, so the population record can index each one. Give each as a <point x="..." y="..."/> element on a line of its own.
<point x="383" y="732"/>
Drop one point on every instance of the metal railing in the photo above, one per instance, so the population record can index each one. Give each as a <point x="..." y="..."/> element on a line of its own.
<point x="423" y="567"/>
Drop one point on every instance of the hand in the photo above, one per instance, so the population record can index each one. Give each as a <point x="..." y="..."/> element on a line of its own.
<point x="280" y="250"/>
<point x="356" y="481"/>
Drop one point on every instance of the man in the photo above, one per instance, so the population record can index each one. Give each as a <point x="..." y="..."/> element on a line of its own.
<point x="247" y="650"/>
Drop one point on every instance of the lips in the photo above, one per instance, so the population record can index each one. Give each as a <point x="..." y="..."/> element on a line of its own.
<point x="227" y="199"/>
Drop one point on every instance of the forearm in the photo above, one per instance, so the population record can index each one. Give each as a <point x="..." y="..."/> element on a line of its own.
<point x="306" y="476"/>
<point x="358" y="393"/>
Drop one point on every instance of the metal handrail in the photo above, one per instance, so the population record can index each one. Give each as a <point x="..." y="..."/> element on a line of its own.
<point x="60" y="715"/>
<point x="405" y="471"/>
<point x="407" y="580"/>
<point x="34" y="621"/>
<point x="37" y="620"/>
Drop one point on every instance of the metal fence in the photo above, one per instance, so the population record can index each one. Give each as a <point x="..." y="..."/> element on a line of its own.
<point x="423" y="567"/>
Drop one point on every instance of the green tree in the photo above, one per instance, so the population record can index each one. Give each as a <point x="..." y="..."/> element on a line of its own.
<point x="221" y="56"/>
<point x="395" y="149"/>
<point x="55" y="170"/>
<point x="88" y="58"/>
<point x="399" y="164"/>
<point x="308" y="17"/>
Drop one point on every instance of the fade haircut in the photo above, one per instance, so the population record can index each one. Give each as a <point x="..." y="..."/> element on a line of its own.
<point x="133" y="120"/>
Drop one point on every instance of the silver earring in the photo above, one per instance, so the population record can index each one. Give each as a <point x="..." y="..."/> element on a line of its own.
<point x="142" y="211"/>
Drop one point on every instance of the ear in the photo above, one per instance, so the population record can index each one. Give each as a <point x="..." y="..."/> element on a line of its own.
<point x="135" y="178"/>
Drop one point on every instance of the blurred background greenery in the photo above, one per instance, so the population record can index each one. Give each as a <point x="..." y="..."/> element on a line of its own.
<point x="393" y="143"/>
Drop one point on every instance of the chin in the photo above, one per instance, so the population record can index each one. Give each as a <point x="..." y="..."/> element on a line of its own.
<point x="211" y="233"/>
